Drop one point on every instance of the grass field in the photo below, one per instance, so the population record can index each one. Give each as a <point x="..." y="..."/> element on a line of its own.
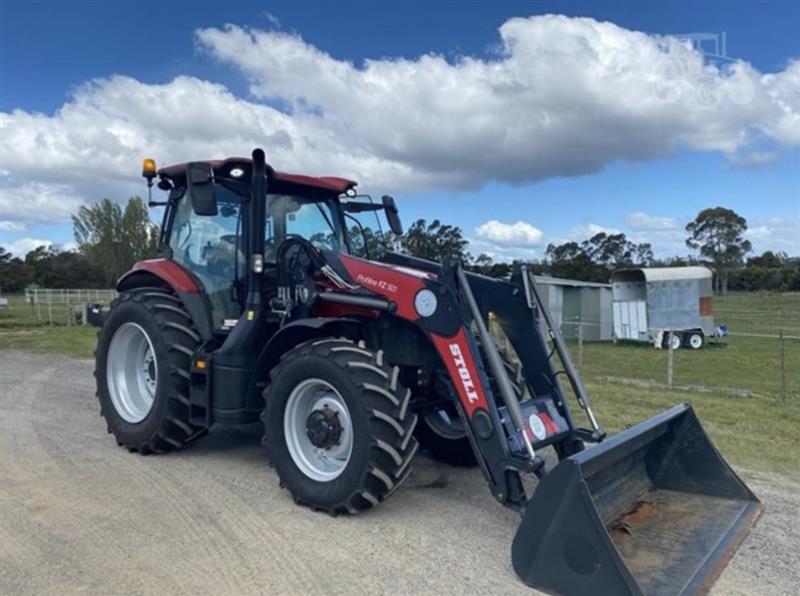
<point x="21" y="328"/>
<point x="736" y="389"/>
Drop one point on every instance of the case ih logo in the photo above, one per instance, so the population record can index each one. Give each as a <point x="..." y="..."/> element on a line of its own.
<point x="368" y="280"/>
<point x="463" y="372"/>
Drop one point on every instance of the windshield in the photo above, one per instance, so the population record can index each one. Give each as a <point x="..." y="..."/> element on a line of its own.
<point x="292" y="215"/>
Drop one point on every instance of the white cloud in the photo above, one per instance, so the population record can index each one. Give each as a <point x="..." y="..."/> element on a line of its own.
<point x="754" y="160"/>
<point x="11" y="226"/>
<point x="586" y="231"/>
<point x="642" y="221"/>
<point x="501" y="253"/>
<point x="775" y="233"/>
<point x="519" y="234"/>
<point x="36" y="202"/>
<point x="22" y="246"/>
<point x="561" y="97"/>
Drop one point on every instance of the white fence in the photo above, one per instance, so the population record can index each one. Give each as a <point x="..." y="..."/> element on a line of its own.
<point x="67" y="296"/>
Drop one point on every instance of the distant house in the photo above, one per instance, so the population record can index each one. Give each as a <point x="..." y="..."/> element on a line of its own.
<point x="574" y="303"/>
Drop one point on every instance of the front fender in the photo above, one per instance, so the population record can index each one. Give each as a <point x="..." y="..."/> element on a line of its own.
<point x="297" y="332"/>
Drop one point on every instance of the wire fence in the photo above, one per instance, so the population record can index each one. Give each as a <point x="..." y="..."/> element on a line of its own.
<point x="740" y="365"/>
<point x="68" y="296"/>
<point x="52" y="307"/>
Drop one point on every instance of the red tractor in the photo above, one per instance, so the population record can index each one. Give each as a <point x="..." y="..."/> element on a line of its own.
<point x="258" y="309"/>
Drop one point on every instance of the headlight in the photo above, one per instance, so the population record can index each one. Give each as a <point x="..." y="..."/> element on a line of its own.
<point x="425" y="303"/>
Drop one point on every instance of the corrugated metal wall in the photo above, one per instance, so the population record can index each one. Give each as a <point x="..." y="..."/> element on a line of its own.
<point x="570" y="305"/>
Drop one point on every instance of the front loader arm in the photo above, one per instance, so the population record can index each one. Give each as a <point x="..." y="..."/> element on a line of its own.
<point x="504" y="440"/>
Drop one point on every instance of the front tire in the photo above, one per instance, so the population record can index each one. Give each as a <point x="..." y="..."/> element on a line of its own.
<point x="337" y="426"/>
<point x="143" y="359"/>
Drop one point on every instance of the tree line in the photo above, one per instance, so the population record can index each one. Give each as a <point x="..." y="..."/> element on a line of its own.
<point x="716" y="235"/>
<point x="111" y="238"/>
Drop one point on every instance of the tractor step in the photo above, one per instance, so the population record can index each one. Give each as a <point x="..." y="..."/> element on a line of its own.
<point x="200" y="390"/>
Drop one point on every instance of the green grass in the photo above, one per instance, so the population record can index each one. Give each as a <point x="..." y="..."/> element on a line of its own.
<point x="78" y="342"/>
<point x="22" y="329"/>
<point x="735" y="390"/>
<point x="750" y="432"/>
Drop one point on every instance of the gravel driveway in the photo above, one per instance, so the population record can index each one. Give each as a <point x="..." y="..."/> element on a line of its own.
<point x="79" y="514"/>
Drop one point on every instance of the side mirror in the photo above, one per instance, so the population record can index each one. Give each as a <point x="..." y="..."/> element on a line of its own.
<point x="201" y="188"/>
<point x="392" y="217"/>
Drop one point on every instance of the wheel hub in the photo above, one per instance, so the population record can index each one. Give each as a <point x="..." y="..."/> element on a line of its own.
<point x="323" y="428"/>
<point x="318" y="429"/>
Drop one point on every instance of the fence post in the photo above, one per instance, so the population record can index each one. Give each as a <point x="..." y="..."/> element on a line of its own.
<point x="783" y="366"/>
<point x="50" y="311"/>
<point x="669" y="359"/>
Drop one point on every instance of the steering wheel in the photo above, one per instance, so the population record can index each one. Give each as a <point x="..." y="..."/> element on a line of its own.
<point x="296" y="258"/>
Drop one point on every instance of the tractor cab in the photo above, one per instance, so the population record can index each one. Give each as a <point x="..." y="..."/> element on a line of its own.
<point x="213" y="230"/>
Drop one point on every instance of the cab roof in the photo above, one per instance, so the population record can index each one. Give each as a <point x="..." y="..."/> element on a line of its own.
<point x="223" y="167"/>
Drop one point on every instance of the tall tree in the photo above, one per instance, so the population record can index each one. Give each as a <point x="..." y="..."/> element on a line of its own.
<point x="49" y="267"/>
<point x="113" y="238"/>
<point x="717" y="234"/>
<point x="14" y="275"/>
<point x="435" y="241"/>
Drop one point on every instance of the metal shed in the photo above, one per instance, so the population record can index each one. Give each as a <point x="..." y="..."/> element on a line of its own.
<point x="571" y="302"/>
<point x="648" y="303"/>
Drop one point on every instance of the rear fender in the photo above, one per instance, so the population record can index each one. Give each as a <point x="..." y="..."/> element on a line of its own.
<point x="167" y="274"/>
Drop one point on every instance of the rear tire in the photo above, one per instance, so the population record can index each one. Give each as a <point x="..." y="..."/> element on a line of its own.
<point x="367" y="455"/>
<point x="148" y="413"/>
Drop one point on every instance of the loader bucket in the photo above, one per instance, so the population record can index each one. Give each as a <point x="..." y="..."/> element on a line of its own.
<point x="653" y="510"/>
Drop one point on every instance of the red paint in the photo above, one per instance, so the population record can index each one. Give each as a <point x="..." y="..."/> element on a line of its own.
<point x="471" y="393"/>
<point x="551" y="428"/>
<point x="332" y="183"/>
<point x="326" y="182"/>
<point x="167" y="270"/>
<point x="332" y="309"/>
<point x="549" y="424"/>
<point x="386" y="281"/>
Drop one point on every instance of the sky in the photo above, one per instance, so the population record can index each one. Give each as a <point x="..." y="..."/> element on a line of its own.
<point x="524" y="123"/>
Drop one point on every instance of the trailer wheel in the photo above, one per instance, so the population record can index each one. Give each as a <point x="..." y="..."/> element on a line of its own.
<point x="337" y="425"/>
<point x="672" y="340"/>
<point x="695" y="340"/>
<point x="143" y="357"/>
<point x="441" y="431"/>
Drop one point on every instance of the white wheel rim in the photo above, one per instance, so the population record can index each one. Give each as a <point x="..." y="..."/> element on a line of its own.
<point x="675" y="342"/>
<point x="695" y="341"/>
<point x="318" y="463"/>
<point x="131" y="372"/>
